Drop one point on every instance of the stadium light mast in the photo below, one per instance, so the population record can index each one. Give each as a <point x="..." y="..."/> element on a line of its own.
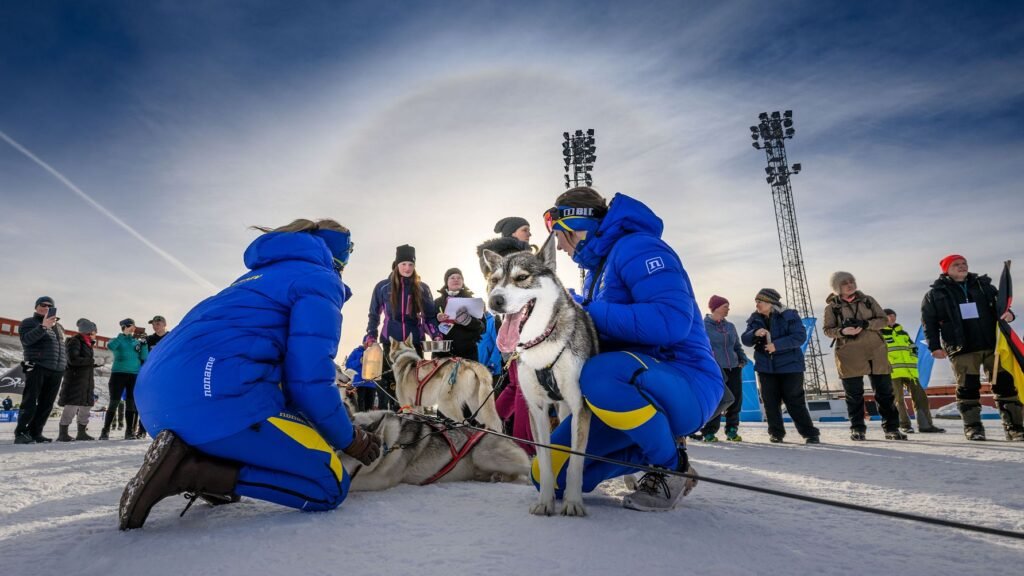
<point x="770" y="135"/>
<point x="578" y="154"/>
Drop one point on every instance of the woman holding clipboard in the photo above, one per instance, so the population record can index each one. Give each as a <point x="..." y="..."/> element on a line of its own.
<point x="463" y="330"/>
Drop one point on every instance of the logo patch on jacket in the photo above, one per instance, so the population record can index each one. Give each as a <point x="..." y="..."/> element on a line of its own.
<point x="655" y="264"/>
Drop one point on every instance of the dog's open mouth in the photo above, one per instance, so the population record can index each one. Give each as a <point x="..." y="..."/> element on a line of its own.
<point x="508" y="335"/>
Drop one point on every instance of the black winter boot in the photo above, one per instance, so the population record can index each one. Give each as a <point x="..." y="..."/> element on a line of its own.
<point x="64" y="436"/>
<point x="130" y="419"/>
<point x="105" y="433"/>
<point x="171" y="467"/>
<point x="82" y="434"/>
<point x="1010" y="412"/>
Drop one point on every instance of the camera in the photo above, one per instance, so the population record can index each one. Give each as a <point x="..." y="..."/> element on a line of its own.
<point x="854" y="323"/>
<point x="759" y="343"/>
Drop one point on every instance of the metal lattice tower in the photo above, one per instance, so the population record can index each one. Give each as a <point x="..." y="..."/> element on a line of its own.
<point x="770" y="136"/>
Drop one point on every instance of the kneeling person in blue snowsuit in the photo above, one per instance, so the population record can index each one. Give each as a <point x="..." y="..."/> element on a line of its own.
<point x="241" y="396"/>
<point x="655" y="379"/>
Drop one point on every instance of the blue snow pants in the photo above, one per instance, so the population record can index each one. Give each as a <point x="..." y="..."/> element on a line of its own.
<point x="640" y="406"/>
<point x="284" y="461"/>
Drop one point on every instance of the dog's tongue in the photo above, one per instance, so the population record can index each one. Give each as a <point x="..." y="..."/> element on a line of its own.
<point x="508" y="334"/>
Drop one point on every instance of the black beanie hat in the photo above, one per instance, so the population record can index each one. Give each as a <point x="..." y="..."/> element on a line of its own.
<point x="508" y="226"/>
<point x="404" y="253"/>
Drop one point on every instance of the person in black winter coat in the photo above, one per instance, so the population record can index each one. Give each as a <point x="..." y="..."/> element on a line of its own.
<point x="42" y="339"/>
<point x="465" y="330"/>
<point x="777" y="335"/>
<point x="959" y="317"/>
<point x="77" y="393"/>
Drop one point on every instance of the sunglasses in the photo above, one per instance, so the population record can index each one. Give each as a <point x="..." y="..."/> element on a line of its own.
<point x="46" y="305"/>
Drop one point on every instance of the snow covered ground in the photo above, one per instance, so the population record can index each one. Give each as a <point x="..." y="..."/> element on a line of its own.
<point x="59" y="517"/>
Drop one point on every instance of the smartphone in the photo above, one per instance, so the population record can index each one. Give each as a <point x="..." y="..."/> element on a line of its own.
<point x="51" y="311"/>
<point x="140" y="332"/>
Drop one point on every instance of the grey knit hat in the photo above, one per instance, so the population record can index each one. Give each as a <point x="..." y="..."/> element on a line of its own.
<point x="508" y="226"/>
<point x="838" y="278"/>
<point x="769" y="295"/>
<point x="85" y="326"/>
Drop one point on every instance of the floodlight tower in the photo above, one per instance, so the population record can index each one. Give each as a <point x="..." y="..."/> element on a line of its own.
<point x="770" y="135"/>
<point x="578" y="153"/>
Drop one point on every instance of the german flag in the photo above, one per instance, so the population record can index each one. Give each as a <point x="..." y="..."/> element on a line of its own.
<point x="1009" y="348"/>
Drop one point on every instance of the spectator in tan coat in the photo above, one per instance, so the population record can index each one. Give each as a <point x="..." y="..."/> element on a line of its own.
<point x="854" y="321"/>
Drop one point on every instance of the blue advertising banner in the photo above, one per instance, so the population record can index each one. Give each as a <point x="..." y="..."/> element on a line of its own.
<point x="925" y="362"/>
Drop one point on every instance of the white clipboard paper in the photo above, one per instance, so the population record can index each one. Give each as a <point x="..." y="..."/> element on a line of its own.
<point x="475" y="307"/>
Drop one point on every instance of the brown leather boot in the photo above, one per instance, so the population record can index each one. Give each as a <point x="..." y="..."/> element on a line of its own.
<point x="171" y="467"/>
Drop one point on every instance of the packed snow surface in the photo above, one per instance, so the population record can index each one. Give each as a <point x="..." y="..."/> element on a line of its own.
<point x="59" y="506"/>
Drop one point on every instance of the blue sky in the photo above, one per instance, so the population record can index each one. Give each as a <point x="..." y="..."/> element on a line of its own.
<point x="424" y="123"/>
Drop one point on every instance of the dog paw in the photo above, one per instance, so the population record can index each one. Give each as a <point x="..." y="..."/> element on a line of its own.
<point x="543" y="508"/>
<point x="573" y="508"/>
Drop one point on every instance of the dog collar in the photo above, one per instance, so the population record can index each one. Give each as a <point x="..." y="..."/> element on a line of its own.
<point x="544" y="336"/>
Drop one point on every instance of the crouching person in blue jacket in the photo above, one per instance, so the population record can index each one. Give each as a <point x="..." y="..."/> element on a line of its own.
<point x="241" y="396"/>
<point x="655" y="379"/>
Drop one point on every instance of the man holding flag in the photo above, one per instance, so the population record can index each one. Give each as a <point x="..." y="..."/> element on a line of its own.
<point x="961" y="313"/>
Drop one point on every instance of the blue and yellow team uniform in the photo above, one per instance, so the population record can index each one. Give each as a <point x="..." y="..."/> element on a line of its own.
<point x="248" y="375"/>
<point x="656" y="378"/>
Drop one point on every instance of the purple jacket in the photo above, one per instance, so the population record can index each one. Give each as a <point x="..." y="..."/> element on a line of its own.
<point x="725" y="343"/>
<point x="401" y="323"/>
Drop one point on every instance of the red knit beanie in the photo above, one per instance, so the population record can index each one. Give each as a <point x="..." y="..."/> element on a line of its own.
<point x="946" y="262"/>
<point x="715" y="302"/>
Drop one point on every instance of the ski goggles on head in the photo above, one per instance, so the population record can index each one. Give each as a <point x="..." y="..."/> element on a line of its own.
<point x="572" y="218"/>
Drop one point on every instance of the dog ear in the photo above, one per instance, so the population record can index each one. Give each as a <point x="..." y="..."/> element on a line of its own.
<point x="491" y="261"/>
<point x="548" y="253"/>
<point x="408" y="341"/>
<point x="392" y="342"/>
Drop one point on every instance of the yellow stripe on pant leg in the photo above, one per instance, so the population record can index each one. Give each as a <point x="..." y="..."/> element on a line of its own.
<point x="310" y="438"/>
<point x="558" y="460"/>
<point x="624" y="420"/>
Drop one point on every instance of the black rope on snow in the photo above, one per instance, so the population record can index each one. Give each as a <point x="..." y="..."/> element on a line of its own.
<point x="451" y="424"/>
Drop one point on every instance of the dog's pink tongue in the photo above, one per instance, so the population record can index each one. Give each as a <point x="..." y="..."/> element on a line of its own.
<point x="508" y="334"/>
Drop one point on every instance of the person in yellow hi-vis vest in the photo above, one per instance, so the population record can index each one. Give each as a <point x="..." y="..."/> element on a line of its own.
<point x="903" y="358"/>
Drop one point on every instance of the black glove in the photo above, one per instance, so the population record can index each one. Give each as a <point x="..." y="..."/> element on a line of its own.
<point x="365" y="447"/>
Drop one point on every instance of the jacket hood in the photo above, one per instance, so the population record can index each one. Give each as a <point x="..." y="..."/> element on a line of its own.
<point x="625" y="216"/>
<point x="278" y="246"/>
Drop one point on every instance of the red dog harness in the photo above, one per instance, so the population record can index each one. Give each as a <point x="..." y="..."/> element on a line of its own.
<point x="434" y="366"/>
<point x="457" y="454"/>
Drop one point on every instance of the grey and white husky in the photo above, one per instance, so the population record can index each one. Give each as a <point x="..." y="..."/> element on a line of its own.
<point x="552" y="337"/>
<point x="418" y="452"/>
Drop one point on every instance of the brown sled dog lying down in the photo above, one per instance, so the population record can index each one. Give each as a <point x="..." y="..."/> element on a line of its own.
<point x="416" y="452"/>
<point x="431" y="383"/>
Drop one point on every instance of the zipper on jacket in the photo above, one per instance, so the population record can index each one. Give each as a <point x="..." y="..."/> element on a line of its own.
<point x="403" y="309"/>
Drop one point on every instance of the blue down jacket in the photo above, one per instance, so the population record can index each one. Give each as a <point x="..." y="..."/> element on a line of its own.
<point x="788" y="335"/>
<point x="263" y="343"/>
<point x="643" y="301"/>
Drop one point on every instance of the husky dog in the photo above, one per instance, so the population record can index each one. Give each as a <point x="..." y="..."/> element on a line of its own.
<point x="419" y="454"/>
<point x="552" y="337"/>
<point x="425" y="383"/>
